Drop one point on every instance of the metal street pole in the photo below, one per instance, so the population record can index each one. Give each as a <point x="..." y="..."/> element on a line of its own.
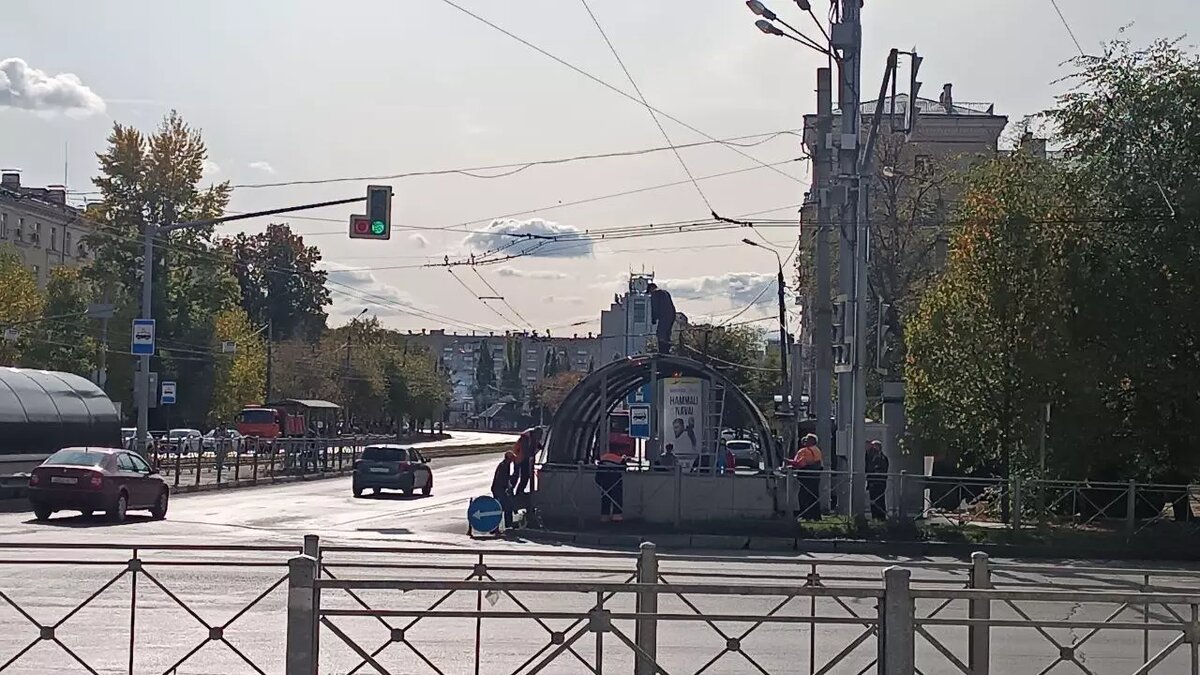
<point x="822" y="395"/>
<point x="847" y="38"/>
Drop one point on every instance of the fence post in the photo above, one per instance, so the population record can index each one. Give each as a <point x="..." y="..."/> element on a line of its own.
<point x="646" y="635"/>
<point x="902" y="497"/>
<point x="302" y="616"/>
<point x="897" y="628"/>
<point x="1131" y="508"/>
<point x="1018" y="506"/>
<point x="199" y="453"/>
<point x="979" y="635"/>
<point x="677" y="516"/>
<point x="312" y="549"/>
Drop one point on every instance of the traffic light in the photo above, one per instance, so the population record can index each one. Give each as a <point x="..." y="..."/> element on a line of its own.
<point x="377" y="223"/>
<point x="843" y="360"/>
<point x="914" y="88"/>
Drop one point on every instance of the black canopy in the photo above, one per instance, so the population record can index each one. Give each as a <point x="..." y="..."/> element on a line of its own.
<point x="42" y="411"/>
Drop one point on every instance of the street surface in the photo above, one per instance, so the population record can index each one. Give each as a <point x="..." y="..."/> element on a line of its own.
<point x="49" y="584"/>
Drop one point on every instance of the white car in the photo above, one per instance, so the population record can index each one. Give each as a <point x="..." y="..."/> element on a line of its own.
<point x="184" y="440"/>
<point x="230" y="437"/>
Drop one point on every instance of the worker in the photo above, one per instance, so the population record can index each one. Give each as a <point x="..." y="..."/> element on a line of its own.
<point x="525" y="452"/>
<point x="877" y="469"/>
<point x="667" y="460"/>
<point x="662" y="313"/>
<point x="610" y="478"/>
<point x="502" y="488"/>
<point x="808" y="465"/>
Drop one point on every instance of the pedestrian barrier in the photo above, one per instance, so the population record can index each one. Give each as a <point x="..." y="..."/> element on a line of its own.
<point x="177" y="609"/>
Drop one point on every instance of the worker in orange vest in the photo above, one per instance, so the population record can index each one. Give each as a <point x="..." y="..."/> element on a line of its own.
<point x="524" y="452"/>
<point x="808" y="464"/>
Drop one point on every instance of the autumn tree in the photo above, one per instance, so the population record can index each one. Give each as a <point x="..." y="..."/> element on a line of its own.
<point x="552" y="391"/>
<point x="240" y="375"/>
<point x="280" y="281"/>
<point x="21" y="302"/>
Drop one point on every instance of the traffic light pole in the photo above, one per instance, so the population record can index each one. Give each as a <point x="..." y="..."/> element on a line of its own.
<point x="149" y="233"/>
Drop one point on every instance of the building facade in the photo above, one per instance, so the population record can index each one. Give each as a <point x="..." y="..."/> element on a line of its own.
<point x="37" y="222"/>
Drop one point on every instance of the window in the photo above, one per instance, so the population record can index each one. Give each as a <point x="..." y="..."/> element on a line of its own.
<point x="35" y="269"/>
<point x="124" y="463"/>
<point x="20" y="228"/>
<point x="76" y="457"/>
<point x="384" y="454"/>
<point x="3" y="226"/>
<point x="923" y="165"/>
<point x="67" y="243"/>
<point x="54" y="239"/>
<point x="140" y="464"/>
<point x="36" y="235"/>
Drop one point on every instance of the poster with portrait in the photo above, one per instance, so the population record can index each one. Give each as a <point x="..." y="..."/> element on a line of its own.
<point x="682" y="416"/>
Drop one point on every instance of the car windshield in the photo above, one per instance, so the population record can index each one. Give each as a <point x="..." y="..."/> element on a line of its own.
<point x="378" y="454"/>
<point x="75" y="457"/>
<point x="256" y="416"/>
<point x="181" y="433"/>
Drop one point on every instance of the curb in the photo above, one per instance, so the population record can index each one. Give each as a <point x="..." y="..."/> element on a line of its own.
<point x="18" y="503"/>
<point x="910" y="549"/>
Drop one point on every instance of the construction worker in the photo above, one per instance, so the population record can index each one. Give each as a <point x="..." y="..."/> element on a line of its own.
<point x="502" y="488"/>
<point x="662" y="313"/>
<point x="525" y="452"/>
<point x="877" y="469"/>
<point x="808" y="463"/>
<point x="610" y="478"/>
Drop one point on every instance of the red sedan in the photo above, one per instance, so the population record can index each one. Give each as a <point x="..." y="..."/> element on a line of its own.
<point x="97" y="479"/>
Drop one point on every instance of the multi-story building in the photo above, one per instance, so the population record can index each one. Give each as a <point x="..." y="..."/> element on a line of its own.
<point x="458" y="354"/>
<point x="38" y="223"/>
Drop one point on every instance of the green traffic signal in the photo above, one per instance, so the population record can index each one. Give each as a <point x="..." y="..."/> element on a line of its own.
<point x="378" y="227"/>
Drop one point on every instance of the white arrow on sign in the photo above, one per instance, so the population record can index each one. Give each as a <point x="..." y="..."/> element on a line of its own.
<point x="480" y="514"/>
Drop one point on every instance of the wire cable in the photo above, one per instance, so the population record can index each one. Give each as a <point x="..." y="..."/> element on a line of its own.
<point x="649" y="109"/>
<point x="502" y="297"/>
<point x="475" y="295"/>
<point x="1063" y="18"/>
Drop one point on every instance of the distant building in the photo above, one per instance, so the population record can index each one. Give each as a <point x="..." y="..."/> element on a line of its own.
<point x="458" y="355"/>
<point x="37" y="222"/>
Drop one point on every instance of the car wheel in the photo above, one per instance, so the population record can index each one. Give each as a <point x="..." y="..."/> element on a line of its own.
<point x="42" y="512"/>
<point x="427" y="490"/>
<point x="159" y="510"/>
<point x="358" y="491"/>
<point x="376" y="491"/>
<point x="117" y="513"/>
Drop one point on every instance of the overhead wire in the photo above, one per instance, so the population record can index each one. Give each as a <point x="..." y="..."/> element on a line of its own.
<point x="475" y="295"/>
<point x="503" y="298"/>
<point x="653" y="115"/>
<point x="1067" y="25"/>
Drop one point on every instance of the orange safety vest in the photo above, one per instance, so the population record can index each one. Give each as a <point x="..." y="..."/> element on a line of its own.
<point x="522" y="450"/>
<point x="806" y="457"/>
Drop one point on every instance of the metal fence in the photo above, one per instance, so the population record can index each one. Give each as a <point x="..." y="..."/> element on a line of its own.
<point x="310" y="608"/>
<point x="677" y="494"/>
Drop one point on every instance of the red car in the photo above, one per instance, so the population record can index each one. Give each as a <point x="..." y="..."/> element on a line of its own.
<point x="97" y="479"/>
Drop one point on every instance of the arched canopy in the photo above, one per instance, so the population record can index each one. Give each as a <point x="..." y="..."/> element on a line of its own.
<point x="42" y="411"/>
<point x="573" y="429"/>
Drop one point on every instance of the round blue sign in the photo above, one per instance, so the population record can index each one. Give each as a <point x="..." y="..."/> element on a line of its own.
<point x="484" y="514"/>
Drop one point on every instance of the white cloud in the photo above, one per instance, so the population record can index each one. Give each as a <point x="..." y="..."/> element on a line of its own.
<point x="26" y="88"/>
<point x="381" y="299"/>
<point x="211" y="168"/>
<point x="418" y="240"/>
<point x="531" y="274"/>
<point x="263" y="167"/>
<point x="500" y="234"/>
<point x="739" y="287"/>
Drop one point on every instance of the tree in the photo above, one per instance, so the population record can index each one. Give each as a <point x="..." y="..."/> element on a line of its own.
<point x="280" y="281"/>
<point x="485" y="375"/>
<point x="984" y="347"/>
<point x="552" y="391"/>
<point x="736" y="351"/>
<point x="62" y="339"/>
<point x="511" y="383"/>
<point x="20" y="301"/>
<point x="240" y="376"/>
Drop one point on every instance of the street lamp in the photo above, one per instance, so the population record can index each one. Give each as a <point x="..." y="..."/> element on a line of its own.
<point x="766" y="25"/>
<point x="784" y="383"/>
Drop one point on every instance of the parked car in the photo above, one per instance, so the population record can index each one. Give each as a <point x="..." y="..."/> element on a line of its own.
<point x="87" y="480"/>
<point x="230" y="437"/>
<point x="128" y="434"/>
<point x="745" y="453"/>
<point x="184" y="441"/>
<point x="392" y="467"/>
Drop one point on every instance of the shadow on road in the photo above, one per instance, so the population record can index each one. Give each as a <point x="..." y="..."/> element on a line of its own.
<point x="393" y="531"/>
<point x="82" y="521"/>
<point x="394" y="496"/>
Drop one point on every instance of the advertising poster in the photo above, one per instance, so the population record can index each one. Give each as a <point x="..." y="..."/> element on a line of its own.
<point x="682" y="417"/>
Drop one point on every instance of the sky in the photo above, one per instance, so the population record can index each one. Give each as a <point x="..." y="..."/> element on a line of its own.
<point x="384" y="87"/>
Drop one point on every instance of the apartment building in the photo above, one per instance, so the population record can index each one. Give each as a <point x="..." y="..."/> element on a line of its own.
<point x="37" y="222"/>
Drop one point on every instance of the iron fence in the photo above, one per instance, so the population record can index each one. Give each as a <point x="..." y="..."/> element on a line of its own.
<point x="187" y="609"/>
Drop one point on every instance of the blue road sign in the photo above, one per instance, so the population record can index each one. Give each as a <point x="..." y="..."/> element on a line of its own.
<point x="640" y="396"/>
<point x="168" y="393"/>
<point x="484" y="514"/>
<point x="142" y="342"/>
<point x="639" y="421"/>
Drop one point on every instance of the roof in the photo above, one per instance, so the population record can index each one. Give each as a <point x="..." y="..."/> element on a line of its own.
<point x="492" y="410"/>
<point x="927" y="106"/>
<point x="309" y="403"/>
<point x="52" y="397"/>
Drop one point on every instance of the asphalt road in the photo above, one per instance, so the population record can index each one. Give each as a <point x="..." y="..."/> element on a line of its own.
<point x="218" y="585"/>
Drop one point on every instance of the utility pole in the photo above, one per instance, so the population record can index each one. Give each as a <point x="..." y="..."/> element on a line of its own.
<point x="846" y="37"/>
<point x="270" y="360"/>
<point x="822" y="396"/>
<point x="784" y="387"/>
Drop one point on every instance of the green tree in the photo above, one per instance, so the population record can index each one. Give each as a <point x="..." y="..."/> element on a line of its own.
<point x="736" y="351"/>
<point x="20" y="302"/>
<point x="985" y="346"/>
<point x="280" y="281"/>
<point x="552" y="391"/>
<point x="485" y="375"/>
<point x="240" y="376"/>
<point x="511" y="383"/>
<point x="63" y="339"/>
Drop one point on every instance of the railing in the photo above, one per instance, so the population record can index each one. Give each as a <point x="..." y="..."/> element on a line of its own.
<point x="227" y="609"/>
<point x="677" y="494"/>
